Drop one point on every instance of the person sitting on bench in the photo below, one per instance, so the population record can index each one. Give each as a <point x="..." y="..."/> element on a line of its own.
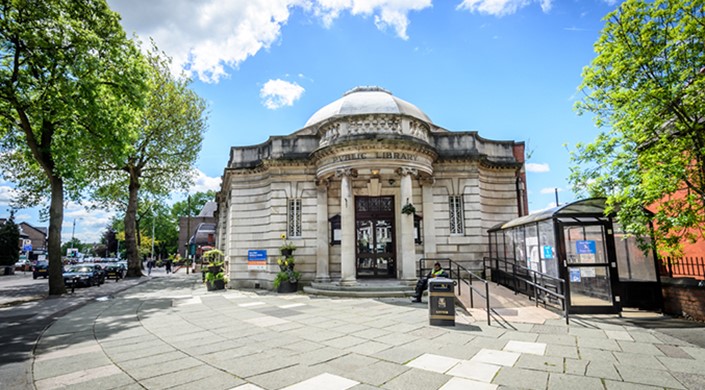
<point x="422" y="284"/>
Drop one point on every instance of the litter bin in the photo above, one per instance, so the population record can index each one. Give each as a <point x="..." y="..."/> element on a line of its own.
<point x="441" y="301"/>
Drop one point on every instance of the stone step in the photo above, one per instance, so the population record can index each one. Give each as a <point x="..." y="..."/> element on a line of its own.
<point x="371" y="289"/>
<point x="359" y="293"/>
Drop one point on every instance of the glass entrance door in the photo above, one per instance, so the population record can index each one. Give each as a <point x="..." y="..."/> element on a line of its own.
<point x="374" y="220"/>
<point x="588" y="269"/>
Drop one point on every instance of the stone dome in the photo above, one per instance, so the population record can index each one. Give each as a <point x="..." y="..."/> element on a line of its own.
<point x="366" y="100"/>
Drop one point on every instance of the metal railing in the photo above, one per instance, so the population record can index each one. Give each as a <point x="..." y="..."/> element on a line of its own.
<point x="538" y="285"/>
<point x="461" y="275"/>
<point x="693" y="267"/>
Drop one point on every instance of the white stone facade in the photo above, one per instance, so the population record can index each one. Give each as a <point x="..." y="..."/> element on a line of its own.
<point x="359" y="150"/>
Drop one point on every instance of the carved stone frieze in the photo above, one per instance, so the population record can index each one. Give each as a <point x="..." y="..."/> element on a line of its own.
<point x="373" y="124"/>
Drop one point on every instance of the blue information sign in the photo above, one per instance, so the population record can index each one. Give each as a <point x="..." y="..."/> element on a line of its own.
<point x="27" y="248"/>
<point x="575" y="275"/>
<point x="585" y="247"/>
<point x="257" y="254"/>
<point x="547" y="252"/>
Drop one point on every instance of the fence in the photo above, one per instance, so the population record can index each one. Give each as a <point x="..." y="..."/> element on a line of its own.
<point x="691" y="267"/>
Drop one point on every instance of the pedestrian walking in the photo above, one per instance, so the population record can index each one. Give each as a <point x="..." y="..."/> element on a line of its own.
<point x="150" y="265"/>
<point x="167" y="266"/>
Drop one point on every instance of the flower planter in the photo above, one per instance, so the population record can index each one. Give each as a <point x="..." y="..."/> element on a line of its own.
<point x="288" y="287"/>
<point x="287" y="252"/>
<point x="215" y="285"/>
<point x="214" y="269"/>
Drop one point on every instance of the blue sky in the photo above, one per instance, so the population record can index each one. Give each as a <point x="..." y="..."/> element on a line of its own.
<point x="508" y="69"/>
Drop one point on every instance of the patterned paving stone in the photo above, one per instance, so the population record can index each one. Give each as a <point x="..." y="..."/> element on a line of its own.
<point x="477" y="371"/>
<point x="500" y="358"/>
<point x="464" y="384"/>
<point x="433" y="363"/>
<point x="522" y="378"/>
<point x="564" y="381"/>
<point x="525" y="347"/>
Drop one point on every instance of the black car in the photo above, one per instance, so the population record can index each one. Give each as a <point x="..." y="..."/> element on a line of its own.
<point x="115" y="271"/>
<point x="84" y="275"/>
<point x="40" y="269"/>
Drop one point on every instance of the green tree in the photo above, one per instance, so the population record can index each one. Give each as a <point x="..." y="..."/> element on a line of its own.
<point x="646" y="89"/>
<point x="170" y="132"/>
<point x="69" y="82"/>
<point x="191" y="206"/>
<point x="9" y="242"/>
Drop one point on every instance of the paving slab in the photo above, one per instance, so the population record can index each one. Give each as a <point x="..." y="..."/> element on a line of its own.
<point x="172" y="334"/>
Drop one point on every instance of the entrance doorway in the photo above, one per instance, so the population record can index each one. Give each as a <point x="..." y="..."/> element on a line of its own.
<point x="590" y="268"/>
<point x="374" y="228"/>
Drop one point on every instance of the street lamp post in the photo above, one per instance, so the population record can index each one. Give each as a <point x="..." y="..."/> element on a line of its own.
<point x="188" y="234"/>
<point x="153" y="218"/>
<point x="73" y="231"/>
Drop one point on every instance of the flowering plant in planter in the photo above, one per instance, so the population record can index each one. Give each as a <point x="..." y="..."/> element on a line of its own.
<point x="408" y="209"/>
<point x="287" y="247"/>
<point x="286" y="271"/>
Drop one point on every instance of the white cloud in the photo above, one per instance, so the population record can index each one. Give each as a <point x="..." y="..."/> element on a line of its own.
<point x="279" y="93"/>
<point x="501" y="7"/>
<point x="203" y="182"/>
<point x="6" y="195"/>
<point x="550" y="190"/>
<point x="205" y="37"/>
<point x="537" y="168"/>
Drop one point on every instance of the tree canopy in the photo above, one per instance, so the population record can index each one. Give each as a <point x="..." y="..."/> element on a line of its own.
<point x="9" y="241"/>
<point x="69" y="83"/>
<point x="169" y="136"/>
<point x="646" y="89"/>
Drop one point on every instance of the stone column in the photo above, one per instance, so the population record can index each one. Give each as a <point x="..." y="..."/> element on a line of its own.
<point x="429" y="219"/>
<point x="348" y="270"/>
<point x="322" y="248"/>
<point x="408" y="250"/>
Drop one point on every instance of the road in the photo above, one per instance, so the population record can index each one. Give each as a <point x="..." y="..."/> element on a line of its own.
<point x="26" y="311"/>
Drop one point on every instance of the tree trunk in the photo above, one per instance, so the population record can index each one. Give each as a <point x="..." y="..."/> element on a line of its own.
<point x="56" y="218"/>
<point x="134" y="263"/>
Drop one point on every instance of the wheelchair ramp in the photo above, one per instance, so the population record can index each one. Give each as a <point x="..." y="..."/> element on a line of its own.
<point x="506" y="307"/>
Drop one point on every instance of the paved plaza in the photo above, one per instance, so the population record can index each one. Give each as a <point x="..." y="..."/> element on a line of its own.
<point x="170" y="333"/>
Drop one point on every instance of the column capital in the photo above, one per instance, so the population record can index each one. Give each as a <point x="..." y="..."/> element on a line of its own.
<point x="404" y="171"/>
<point x="323" y="184"/>
<point x="351" y="172"/>
<point x="427" y="181"/>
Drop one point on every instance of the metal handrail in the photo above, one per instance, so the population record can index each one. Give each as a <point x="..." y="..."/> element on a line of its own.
<point x="465" y="276"/>
<point x="536" y="280"/>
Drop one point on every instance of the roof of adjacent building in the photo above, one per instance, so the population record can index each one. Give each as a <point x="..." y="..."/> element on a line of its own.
<point x="208" y="209"/>
<point x="367" y="100"/>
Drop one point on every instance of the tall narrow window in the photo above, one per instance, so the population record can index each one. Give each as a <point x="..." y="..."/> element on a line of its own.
<point x="456" y="214"/>
<point x="294" y="218"/>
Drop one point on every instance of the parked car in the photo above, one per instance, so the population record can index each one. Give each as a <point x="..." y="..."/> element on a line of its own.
<point x="41" y="268"/>
<point x="84" y="275"/>
<point x="23" y="265"/>
<point x="115" y="271"/>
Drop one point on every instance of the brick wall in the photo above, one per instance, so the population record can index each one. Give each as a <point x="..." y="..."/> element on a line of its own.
<point x="684" y="300"/>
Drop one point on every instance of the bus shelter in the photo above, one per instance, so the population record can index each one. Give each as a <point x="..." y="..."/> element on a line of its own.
<point x="581" y="253"/>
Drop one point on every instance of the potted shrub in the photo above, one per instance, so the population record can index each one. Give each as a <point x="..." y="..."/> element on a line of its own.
<point x="287" y="279"/>
<point x="215" y="281"/>
<point x="408" y="209"/>
<point x="212" y="270"/>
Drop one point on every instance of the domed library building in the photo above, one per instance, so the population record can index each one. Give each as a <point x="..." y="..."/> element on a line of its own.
<point x="365" y="189"/>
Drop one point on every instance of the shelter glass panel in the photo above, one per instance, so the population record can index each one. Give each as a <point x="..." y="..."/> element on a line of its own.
<point x="547" y="248"/>
<point x="531" y="239"/>
<point x="634" y="263"/>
